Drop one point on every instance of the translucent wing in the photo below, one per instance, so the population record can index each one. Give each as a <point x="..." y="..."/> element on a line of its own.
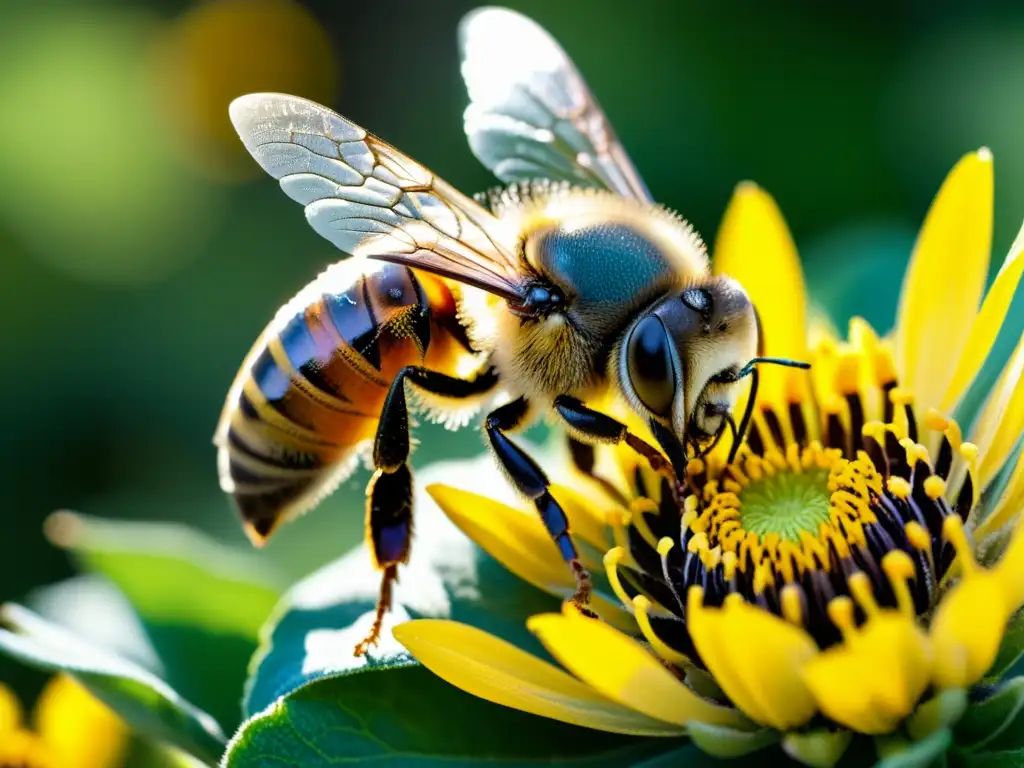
<point x="368" y="198"/>
<point x="530" y="113"/>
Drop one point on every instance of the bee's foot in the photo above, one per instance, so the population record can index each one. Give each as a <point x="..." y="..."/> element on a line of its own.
<point x="368" y="642"/>
<point x="584" y="586"/>
<point x="383" y="606"/>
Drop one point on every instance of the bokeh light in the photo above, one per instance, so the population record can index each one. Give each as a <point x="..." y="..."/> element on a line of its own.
<point x="222" y="49"/>
<point x="88" y="181"/>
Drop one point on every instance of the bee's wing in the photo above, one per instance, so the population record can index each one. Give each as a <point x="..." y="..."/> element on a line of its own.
<point x="530" y="113"/>
<point x="368" y="198"/>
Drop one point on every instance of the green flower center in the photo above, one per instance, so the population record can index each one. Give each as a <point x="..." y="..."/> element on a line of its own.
<point x="786" y="504"/>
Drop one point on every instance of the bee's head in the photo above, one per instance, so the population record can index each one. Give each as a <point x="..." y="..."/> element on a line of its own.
<point x="680" y="362"/>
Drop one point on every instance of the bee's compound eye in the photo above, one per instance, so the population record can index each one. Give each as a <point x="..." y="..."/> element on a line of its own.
<point x="650" y="366"/>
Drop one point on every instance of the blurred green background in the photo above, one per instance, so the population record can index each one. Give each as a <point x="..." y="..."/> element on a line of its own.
<point x="143" y="251"/>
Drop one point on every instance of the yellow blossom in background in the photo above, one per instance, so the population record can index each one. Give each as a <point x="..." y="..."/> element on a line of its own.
<point x="858" y="559"/>
<point x="69" y="729"/>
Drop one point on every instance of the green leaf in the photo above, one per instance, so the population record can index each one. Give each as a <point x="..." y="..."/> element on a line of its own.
<point x="407" y="716"/>
<point x="144" y="701"/>
<point x="940" y="711"/>
<point x="1010" y="649"/>
<point x="1011" y="759"/>
<point x="322" y="618"/>
<point x="918" y="754"/>
<point x="820" y="749"/>
<point x="996" y="723"/>
<point x="201" y="603"/>
<point x="721" y="741"/>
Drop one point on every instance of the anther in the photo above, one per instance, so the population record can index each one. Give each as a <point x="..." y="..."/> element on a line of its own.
<point x="934" y="487"/>
<point x="918" y="537"/>
<point x="898" y="487"/>
<point x="641" y="606"/>
<point x="792" y="604"/>
<point x="935" y="421"/>
<point x="665" y="545"/>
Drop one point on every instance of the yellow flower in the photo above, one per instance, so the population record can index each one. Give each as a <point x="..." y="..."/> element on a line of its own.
<point x="858" y="556"/>
<point x="71" y="730"/>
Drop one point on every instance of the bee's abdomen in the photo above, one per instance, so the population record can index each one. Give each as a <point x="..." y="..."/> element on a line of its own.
<point x="310" y="393"/>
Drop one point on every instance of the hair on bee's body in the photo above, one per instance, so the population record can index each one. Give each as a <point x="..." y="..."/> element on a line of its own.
<point x="563" y="293"/>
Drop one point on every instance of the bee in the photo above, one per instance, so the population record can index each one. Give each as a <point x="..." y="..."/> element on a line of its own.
<point x="571" y="285"/>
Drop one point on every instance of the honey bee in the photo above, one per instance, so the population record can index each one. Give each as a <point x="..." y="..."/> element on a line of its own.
<point x="570" y="285"/>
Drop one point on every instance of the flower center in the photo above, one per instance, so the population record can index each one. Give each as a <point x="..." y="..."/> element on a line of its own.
<point x="785" y="504"/>
<point x="846" y="509"/>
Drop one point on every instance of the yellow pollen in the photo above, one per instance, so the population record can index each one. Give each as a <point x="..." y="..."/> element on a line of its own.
<point x="898" y="487"/>
<point x="665" y="545"/>
<point x="969" y="451"/>
<point x="698" y="543"/>
<point x="729" y="565"/>
<point x="934" y="487"/>
<point x="641" y="606"/>
<point x="694" y="467"/>
<point x="915" y="451"/>
<point x="899" y="569"/>
<point x="792" y="604"/>
<point x="918" y="537"/>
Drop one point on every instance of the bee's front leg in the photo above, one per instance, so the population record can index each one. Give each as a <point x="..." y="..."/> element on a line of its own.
<point x="600" y="428"/>
<point x="530" y="480"/>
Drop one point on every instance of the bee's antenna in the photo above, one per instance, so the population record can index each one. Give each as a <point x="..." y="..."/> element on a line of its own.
<point x="750" y="369"/>
<point x="748" y="412"/>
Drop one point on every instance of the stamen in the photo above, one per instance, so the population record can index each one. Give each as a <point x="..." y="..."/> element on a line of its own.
<point x="612" y="559"/>
<point x="840" y="613"/>
<point x="792" y="602"/>
<point x="953" y="532"/>
<point x="641" y="606"/>
<point x="618" y="520"/>
<point x="899" y="569"/>
<point x="637" y="510"/>
<point x="860" y="587"/>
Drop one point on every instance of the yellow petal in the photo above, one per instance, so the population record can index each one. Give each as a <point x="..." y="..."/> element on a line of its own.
<point x="968" y="628"/>
<point x="1001" y="422"/>
<point x="1010" y="503"/>
<point x="26" y="750"/>
<point x="78" y="728"/>
<point x="874" y="678"/>
<point x="945" y="280"/>
<point x="1010" y="569"/>
<point x="624" y="671"/>
<point x="10" y="710"/>
<point x="987" y="324"/>
<point x="517" y="540"/>
<point x="756" y="658"/>
<point x="754" y="246"/>
<point x="497" y="671"/>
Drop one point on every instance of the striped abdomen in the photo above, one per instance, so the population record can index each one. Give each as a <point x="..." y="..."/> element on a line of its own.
<point x="309" y="394"/>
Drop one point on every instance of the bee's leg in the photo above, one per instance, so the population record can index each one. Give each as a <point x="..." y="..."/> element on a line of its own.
<point x="389" y="508"/>
<point x="601" y="428"/>
<point x="530" y="480"/>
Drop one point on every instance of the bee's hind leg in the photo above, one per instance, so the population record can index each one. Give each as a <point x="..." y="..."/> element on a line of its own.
<point x="389" y="504"/>
<point x="530" y="480"/>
